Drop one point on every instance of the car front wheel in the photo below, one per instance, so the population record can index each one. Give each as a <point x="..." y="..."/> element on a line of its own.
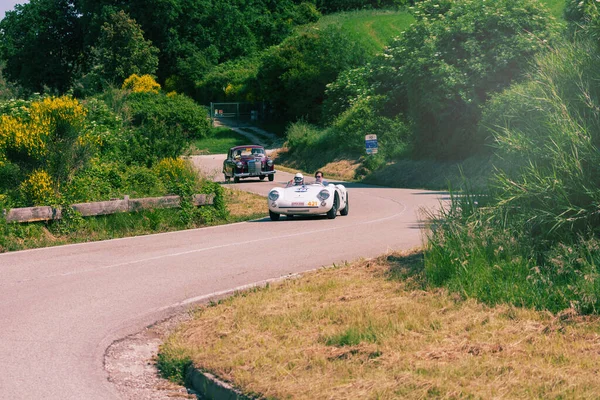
<point x="331" y="214"/>
<point x="344" y="211"/>
<point x="271" y="177"/>
<point x="236" y="179"/>
<point x="274" y="216"/>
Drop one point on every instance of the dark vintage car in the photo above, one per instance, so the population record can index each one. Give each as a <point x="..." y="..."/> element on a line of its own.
<point x="246" y="162"/>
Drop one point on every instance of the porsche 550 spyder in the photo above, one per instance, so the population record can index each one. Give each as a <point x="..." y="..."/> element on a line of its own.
<point x="307" y="200"/>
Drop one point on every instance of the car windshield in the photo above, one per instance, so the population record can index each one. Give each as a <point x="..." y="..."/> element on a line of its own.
<point x="248" y="152"/>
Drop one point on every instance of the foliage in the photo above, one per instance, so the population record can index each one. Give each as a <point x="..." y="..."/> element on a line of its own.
<point x="230" y="81"/>
<point x="195" y="35"/>
<point x="585" y="15"/>
<point x="38" y="189"/>
<point x="351" y="85"/>
<point x="50" y="134"/>
<point x="533" y="239"/>
<point x="304" y="65"/>
<point x="445" y="66"/>
<point x="41" y="43"/>
<point x="176" y="173"/>
<point x="120" y="51"/>
<point x="141" y="84"/>
<point x="365" y="117"/>
<point x="332" y="6"/>
<point x="162" y="126"/>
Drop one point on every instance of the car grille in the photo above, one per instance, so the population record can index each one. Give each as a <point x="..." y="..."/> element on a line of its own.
<point x="254" y="167"/>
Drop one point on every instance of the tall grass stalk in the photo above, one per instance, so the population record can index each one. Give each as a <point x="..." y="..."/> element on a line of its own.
<point x="536" y="240"/>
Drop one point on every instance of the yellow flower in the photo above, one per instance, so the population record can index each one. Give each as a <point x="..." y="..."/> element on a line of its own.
<point x="38" y="189"/>
<point x="138" y="84"/>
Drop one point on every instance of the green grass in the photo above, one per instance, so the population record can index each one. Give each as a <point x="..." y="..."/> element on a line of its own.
<point x="556" y="7"/>
<point x="241" y="206"/>
<point x="219" y="142"/>
<point x="374" y="28"/>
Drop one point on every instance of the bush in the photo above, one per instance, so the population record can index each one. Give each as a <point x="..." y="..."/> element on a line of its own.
<point x="291" y="68"/>
<point x="458" y="53"/>
<point x="141" y="84"/>
<point x="100" y="181"/>
<point x="38" y="189"/>
<point x="348" y="131"/>
<point x="533" y="239"/>
<point x="176" y="174"/>
<point x="50" y="133"/>
<point x="350" y="86"/>
<point x="140" y="181"/>
<point x="163" y="126"/>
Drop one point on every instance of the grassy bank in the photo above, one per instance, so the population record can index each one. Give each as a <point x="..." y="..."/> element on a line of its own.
<point x="241" y="206"/>
<point x="373" y="329"/>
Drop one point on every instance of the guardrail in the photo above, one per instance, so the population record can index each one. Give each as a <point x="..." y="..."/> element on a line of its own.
<point x="47" y="213"/>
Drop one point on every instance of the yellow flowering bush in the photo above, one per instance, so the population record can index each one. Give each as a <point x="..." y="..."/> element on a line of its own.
<point x="139" y="84"/>
<point x="30" y="134"/>
<point x="173" y="172"/>
<point x="38" y="189"/>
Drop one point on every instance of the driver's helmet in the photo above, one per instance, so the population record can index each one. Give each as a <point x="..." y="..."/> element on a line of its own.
<point x="298" y="179"/>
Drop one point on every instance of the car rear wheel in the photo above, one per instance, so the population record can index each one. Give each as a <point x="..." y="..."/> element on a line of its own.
<point x="331" y="214"/>
<point x="274" y="216"/>
<point x="344" y="211"/>
<point x="271" y="177"/>
<point x="236" y="179"/>
<point x="262" y="178"/>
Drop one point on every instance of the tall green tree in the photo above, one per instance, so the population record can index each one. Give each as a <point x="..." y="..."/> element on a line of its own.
<point x="441" y="71"/>
<point x="41" y="44"/>
<point x="294" y="75"/>
<point x="121" y="51"/>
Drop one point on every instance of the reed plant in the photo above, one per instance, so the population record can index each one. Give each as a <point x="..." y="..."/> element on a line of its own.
<point x="533" y="238"/>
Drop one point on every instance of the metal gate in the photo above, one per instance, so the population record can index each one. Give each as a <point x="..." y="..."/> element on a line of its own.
<point x="236" y="113"/>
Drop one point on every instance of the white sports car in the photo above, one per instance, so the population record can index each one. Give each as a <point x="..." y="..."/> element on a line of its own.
<point x="308" y="199"/>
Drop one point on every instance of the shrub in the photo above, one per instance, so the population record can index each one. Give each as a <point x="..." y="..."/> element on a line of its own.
<point x="447" y="64"/>
<point x="163" y="126"/>
<point x="50" y="133"/>
<point x="141" y="84"/>
<point x="348" y="131"/>
<point x="176" y="174"/>
<point x="38" y="189"/>
<point x="102" y="180"/>
<point x="140" y="181"/>
<point x="350" y="86"/>
<point x="291" y="68"/>
<point x="533" y="239"/>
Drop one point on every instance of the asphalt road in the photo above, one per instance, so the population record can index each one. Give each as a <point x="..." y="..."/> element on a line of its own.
<point x="61" y="307"/>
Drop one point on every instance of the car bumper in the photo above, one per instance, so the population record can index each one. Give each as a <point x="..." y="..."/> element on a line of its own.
<point x="286" y="208"/>
<point x="251" y="174"/>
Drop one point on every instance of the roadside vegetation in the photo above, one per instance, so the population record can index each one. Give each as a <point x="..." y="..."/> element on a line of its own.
<point x="497" y="101"/>
<point x="369" y="330"/>
<point x="218" y="141"/>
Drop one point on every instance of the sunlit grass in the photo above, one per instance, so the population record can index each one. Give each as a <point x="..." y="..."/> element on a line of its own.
<point x="219" y="142"/>
<point x="373" y="28"/>
<point x="356" y="332"/>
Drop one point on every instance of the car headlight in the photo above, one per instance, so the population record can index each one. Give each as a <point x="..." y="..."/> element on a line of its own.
<point x="239" y="164"/>
<point x="269" y="163"/>
<point x="273" y="195"/>
<point x="323" y="195"/>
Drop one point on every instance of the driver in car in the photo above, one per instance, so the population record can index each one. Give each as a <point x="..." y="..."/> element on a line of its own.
<point x="297" y="181"/>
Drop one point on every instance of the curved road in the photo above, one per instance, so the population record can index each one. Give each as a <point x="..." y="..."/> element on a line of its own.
<point x="61" y="307"/>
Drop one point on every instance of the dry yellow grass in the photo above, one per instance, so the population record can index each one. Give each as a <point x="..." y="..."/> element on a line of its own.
<point x="244" y="205"/>
<point x="286" y="341"/>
